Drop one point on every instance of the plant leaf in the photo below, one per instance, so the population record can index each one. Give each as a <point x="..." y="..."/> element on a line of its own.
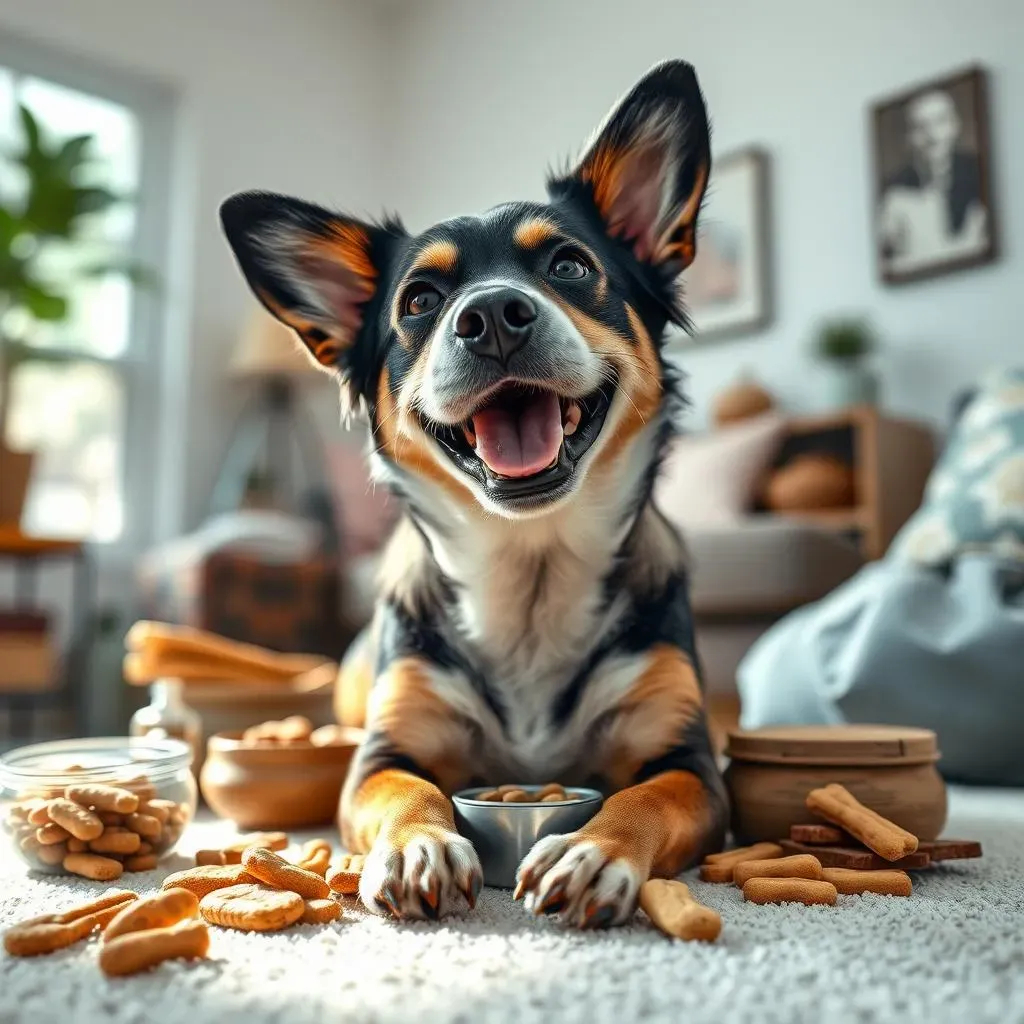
<point x="43" y="304"/>
<point x="93" y="200"/>
<point x="30" y="126"/>
<point x="74" y="153"/>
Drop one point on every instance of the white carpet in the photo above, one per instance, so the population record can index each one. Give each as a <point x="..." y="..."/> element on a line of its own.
<point x="953" y="952"/>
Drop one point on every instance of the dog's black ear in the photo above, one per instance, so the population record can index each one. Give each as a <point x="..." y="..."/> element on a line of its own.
<point x="316" y="271"/>
<point x="646" y="170"/>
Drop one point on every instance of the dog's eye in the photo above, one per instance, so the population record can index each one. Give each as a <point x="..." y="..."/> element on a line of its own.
<point x="422" y="299"/>
<point x="568" y="266"/>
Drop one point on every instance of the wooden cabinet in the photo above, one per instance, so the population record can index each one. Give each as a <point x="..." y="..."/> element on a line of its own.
<point x="891" y="459"/>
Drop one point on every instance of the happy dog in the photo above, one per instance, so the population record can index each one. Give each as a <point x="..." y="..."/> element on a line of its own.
<point x="534" y="620"/>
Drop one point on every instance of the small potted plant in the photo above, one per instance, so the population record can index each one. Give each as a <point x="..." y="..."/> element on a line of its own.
<point x="843" y="348"/>
<point x="52" y="211"/>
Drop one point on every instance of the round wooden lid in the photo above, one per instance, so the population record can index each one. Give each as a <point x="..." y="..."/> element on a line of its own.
<point x="834" y="745"/>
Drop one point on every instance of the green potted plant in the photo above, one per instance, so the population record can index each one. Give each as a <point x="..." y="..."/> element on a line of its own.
<point x="60" y="193"/>
<point x="843" y="347"/>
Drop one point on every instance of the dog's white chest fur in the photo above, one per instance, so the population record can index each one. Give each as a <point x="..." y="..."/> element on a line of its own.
<point x="531" y="606"/>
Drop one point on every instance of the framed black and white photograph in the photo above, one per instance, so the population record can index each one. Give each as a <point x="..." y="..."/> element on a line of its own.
<point x="933" y="196"/>
<point x="728" y="286"/>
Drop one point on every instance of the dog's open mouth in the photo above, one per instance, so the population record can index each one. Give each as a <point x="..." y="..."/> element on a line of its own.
<point x="525" y="440"/>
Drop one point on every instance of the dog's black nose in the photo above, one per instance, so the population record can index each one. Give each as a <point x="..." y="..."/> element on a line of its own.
<point x="496" y="322"/>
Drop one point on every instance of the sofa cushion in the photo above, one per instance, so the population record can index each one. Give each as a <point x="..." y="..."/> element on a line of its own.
<point x="766" y="564"/>
<point x="712" y="479"/>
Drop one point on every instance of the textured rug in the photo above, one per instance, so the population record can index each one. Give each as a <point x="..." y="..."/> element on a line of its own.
<point x="954" y="951"/>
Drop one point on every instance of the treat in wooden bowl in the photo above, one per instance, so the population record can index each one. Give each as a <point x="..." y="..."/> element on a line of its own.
<point x="282" y="776"/>
<point x="890" y="768"/>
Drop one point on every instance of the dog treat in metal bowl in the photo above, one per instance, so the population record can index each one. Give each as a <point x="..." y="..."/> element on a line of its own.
<point x="504" y="822"/>
<point x="552" y="793"/>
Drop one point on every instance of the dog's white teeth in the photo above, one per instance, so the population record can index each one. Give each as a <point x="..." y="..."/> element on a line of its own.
<point x="467" y="430"/>
<point x="572" y="419"/>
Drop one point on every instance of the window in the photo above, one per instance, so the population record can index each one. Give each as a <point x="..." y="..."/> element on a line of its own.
<point x="77" y="384"/>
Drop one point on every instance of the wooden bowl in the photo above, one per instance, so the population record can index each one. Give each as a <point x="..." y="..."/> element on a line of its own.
<point x="279" y="787"/>
<point x="890" y="769"/>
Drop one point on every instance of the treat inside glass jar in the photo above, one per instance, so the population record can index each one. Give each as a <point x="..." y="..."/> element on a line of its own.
<point x="96" y="808"/>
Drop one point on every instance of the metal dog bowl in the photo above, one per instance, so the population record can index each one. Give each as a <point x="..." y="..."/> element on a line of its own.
<point x="503" y="834"/>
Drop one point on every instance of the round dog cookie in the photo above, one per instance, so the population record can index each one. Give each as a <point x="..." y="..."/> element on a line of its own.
<point x="252" y="907"/>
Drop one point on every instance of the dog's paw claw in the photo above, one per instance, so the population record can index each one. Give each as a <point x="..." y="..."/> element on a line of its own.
<point x="424" y="880"/>
<point x="574" y="879"/>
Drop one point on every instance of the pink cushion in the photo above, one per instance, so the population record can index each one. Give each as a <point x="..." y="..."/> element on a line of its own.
<point x="366" y="511"/>
<point x="712" y="479"/>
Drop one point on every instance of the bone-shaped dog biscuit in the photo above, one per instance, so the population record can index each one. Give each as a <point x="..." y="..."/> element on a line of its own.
<point x="789" y="890"/>
<point x="799" y="866"/>
<point x="674" y="911"/>
<point x="838" y="805"/>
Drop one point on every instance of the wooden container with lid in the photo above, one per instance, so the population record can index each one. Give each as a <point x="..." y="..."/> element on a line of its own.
<point x="889" y="768"/>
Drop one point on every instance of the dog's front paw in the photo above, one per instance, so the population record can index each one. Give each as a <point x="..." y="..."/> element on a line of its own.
<point x="571" y="876"/>
<point x="425" y="874"/>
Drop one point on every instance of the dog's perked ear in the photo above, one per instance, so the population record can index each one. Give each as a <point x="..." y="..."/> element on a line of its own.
<point x="647" y="168"/>
<point x="316" y="271"/>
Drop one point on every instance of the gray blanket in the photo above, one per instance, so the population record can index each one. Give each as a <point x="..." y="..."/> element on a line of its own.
<point x="904" y="644"/>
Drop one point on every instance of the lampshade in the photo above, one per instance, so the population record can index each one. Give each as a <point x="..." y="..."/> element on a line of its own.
<point x="266" y="348"/>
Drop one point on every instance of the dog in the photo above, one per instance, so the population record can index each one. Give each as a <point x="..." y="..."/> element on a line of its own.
<point x="533" y="621"/>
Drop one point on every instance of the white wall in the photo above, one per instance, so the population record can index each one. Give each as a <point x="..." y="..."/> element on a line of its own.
<point x="268" y="94"/>
<point x="491" y="93"/>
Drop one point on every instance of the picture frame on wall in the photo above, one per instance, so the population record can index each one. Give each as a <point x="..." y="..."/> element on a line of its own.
<point x="728" y="285"/>
<point x="934" y="211"/>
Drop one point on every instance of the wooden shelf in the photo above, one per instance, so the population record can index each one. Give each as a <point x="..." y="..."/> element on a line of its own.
<point x="15" y="543"/>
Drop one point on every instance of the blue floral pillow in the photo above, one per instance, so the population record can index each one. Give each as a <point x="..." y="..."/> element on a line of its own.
<point x="975" y="496"/>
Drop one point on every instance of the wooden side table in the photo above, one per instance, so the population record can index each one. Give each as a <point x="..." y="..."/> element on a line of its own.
<point x="27" y="555"/>
<point x="891" y="460"/>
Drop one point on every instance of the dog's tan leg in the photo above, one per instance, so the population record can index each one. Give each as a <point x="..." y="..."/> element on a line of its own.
<point x="669" y="810"/>
<point x="396" y="808"/>
<point x="592" y="877"/>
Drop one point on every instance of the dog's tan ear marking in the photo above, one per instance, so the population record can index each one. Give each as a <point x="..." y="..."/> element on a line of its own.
<point x="647" y="169"/>
<point x="314" y="270"/>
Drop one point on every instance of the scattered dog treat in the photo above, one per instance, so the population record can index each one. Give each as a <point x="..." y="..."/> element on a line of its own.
<point x="206" y="858"/>
<point x="138" y="951"/>
<point x="345" y="878"/>
<point x="316" y="857"/>
<point x="158" y="911"/>
<point x="797" y="866"/>
<point x="853" y="883"/>
<point x="950" y="849"/>
<point x="674" y="911"/>
<point x="789" y="890"/>
<point x="268" y="840"/>
<point x="320" y="911"/>
<point x="718" y="867"/>
<point x="818" y="835"/>
<point x="252" y="907"/>
<point x="274" y="870"/>
<point x="839" y="806"/>
<point x="203" y="880"/>
<point x="857" y="858"/>
<point x="41" y="935"/>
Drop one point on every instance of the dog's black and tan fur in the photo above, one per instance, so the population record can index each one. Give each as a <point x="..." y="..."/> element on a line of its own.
<point x="533" y="622"/>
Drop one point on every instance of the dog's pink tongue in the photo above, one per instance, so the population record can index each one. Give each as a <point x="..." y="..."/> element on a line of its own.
<point x="520" y="441"/>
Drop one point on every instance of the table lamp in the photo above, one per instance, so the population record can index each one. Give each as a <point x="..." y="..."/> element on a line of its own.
<point x="258" y="464"/>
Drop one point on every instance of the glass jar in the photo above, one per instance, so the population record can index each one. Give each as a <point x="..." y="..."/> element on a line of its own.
<point x="157" y="772"/>
<point x="167" y="716"/>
